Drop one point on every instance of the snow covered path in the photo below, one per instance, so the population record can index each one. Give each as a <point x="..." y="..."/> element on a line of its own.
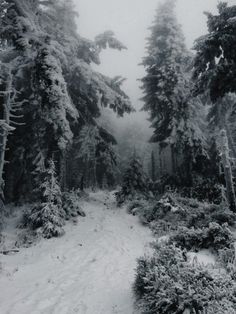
<point x="88" y="271"/>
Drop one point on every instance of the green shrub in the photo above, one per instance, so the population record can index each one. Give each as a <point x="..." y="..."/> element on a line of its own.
<point x="208" y="190"/>
<point x="167" y="208"/>
<point x="137" y="206"/>
<point x="167" y="284"/>
<point x="208" y="213"/>
<point x="71" y="206"/>
<point x="178" y="211"/>
<point x="227" y="259"/>
<point x="214" y="237"/>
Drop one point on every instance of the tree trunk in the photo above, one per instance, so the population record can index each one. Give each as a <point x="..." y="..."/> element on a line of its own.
<point x="173" y="160"/>
<point x="153" y="167"/>
<point x="160" y="162"/>
<point x="227" y="171"/>
<point x="94" y="175"/>
<point x="82" y="183"/>
<point x="231" y="141"/>
<point x="4" y="134"/>
<point x="63" y="167"/>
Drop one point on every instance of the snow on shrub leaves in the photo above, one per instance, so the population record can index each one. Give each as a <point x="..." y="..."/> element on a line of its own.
<point x="71" y="206"/>
<point x="167" y="284"/>
<point x="214" y="237"/>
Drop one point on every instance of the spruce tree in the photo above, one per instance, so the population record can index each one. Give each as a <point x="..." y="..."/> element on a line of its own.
<point x="215" y="69"/>
<point x="87" y="151"/>
<point x="214" y="74"/>
<point x="54" y="78"/>
<point x="215" y="61"/>
<point x="174" y="114"/>
<point x="47" y="217"/>
<point x="134" y="183"/>
<point x="97" y="156"/>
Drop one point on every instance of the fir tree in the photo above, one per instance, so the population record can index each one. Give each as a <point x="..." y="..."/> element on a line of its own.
<point x="97" y="155"/>
<point x="134" y="183"/>
<point x="107" y="164"/>
<point x="88" y="141"/>
<point x="166" y="53"/>
<point x="48" y="216"/>
<point x="214" y="74"/>
<point x="54" y="77"/>
<point x="215" y="62"/>
<point x="174" y="113"/>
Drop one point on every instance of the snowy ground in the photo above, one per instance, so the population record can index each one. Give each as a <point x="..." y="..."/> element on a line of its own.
<point x="88" y="271"/>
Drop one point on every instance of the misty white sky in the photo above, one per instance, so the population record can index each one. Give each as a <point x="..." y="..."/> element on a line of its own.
<point x="130" y="19"/>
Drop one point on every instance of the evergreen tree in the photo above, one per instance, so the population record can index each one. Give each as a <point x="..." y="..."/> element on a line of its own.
<point x="97" y="155"/>
<point x="214" y="74"/>
<point x="135" y="182"/>
<point x="47" y="217"/>
<point x="54" y="78"/>
<point x="215" y="69"/>
<point x="215" y="61"/>
<point x="174" y="113"/>
<point x="88" y="141"/>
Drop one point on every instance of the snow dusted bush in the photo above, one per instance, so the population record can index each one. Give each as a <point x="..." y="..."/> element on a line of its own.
<point x="166" y="210"/>
<point x="71" y="206"/>
<point x="177" y="211"/>
<point x="137" y="206"/>
<point x="227" y="259"/>
<point x="211" y="213"/>
<point x="202" y="189"/>
<point x="214" y="237"/>
<point x="166" y="283"/>
<point x="205" y="189"/>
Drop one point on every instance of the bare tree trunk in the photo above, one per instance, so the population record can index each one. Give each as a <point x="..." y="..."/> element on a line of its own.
<point x="173" y="160"/>
<point x="5" y="128"/>
<point x="160" y="162"/>
<point x="153" y="167"/>
<point x="82" y="183"/>
<point x="227" y="171"/>
<point x="231" y="141"/>
<point x="63" y="167"/>
<point x="94" y="175"/>
<point x="10" y="107"/>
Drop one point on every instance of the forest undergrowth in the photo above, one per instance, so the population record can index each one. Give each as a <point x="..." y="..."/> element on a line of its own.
<point x="181" y="276"/>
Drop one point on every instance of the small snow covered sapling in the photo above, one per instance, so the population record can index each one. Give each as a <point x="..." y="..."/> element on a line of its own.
<point x="47" y="217"/>
<point x="134" y="182"/>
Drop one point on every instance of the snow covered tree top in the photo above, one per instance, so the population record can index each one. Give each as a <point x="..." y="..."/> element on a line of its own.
<point x="215" y="62"/>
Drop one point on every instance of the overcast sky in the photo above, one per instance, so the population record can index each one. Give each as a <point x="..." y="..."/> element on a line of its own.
<point x="130" y="19"/>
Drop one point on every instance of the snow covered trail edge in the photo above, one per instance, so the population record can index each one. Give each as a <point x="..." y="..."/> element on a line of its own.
<point x="88" y="271"/>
